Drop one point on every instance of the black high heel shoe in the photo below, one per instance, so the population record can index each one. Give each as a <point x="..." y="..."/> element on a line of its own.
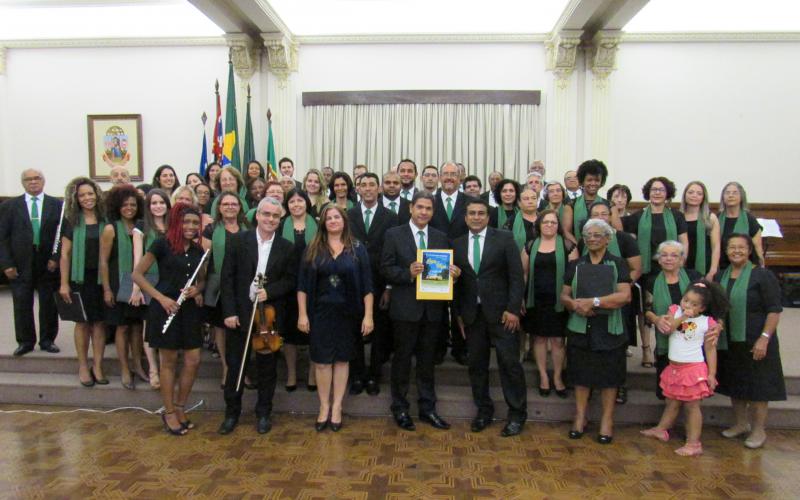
<point x="180" y="431"/>
<point x="336" y="427"/>
<point x="90" y="383"/>
<point x="98" y="381"/>
<point x="186" y="424"/>
<point x="544" y="392"/>
<point x="320" y="426"/>
<point x="604" y="439"/>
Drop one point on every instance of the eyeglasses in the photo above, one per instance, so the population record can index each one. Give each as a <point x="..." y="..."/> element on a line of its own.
<point x="549" y="223"/>
<point x="658" y="190"/>
<point x="230" y="205"/>
<point x="594" y="236"/>
<point x="31" y="179"/>
<point x="269" y="215"/>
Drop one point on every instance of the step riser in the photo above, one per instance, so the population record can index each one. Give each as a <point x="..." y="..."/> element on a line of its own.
<point x="303" y="402"/>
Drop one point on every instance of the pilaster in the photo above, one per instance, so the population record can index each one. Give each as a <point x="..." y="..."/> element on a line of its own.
<point x="282" y="59"/>
<point x="562" y="56"/>
<point x="2" y="60"/>
<point x="601" y="54"/>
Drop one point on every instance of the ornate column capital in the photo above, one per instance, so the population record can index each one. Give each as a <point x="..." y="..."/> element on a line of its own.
<point x="602" y="54"/>
<point x="245" y="54"/>
<point x="562" y="49"/>
<point x="281" y="56"/>
<point x="2" y="60"/>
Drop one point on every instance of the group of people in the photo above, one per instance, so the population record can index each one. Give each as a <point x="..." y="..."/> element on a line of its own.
<point x="336" y="257"/>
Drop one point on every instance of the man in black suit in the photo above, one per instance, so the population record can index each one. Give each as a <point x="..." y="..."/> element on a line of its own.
<point x="494" y="178"/>
<point x="391" y="198"/>
<point x="407" y="170"/>
<point x="369" y="221"/>
<point x="286" y="167"/>
<point x="258" y="251"/>
<point x="488" y="299"/>
<point x="28" y="228"/>
<point x="416" y="322"/>
<point x="448" y="217"/>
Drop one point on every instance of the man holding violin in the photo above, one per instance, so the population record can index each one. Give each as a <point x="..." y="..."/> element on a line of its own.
<point x="259" y="251"/>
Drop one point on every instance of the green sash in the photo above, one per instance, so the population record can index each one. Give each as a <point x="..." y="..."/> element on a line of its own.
<point x="124" y="250"/>
<point x="662" y="301"/>
<point x="645" y="232"/>
<point x="613" y="247"/>
<point x="218" y="245"/>
<point x="311" y="229"/>
<point x="149" y="238"/>
<point x="577" y="323"/>
<point x="742" y="225"/>
<point x="518" y="226"/>
<point x="78" y="261"/>
<point x="737" y="315"/>
<point x="700" y="244"/>
<point x="580" y="214"/>
<point x="560" y="266"/>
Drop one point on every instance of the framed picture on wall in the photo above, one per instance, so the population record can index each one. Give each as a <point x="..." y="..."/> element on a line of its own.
<point x="115" y="140"/>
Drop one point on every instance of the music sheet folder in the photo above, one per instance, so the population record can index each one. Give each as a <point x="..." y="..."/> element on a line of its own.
<point x="71" y="312"/>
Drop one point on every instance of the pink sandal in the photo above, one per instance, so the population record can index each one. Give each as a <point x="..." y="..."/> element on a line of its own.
<point x="690" y="450"/>
<point x="660" y="434"/>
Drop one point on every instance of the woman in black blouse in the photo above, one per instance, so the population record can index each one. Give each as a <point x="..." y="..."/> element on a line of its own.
<point x="735" y="218"/>
<point x="596" y="331"/>
<point x="702" y="229"/>
<point x="299" y="227"/>
<point x="507" y="193"/>
<point x="528" y="203"/>
<point x="178" y="256"/>
<point x="80" y="262"/>
<point x="544" y="261"/>
<point x="750" y="369"/>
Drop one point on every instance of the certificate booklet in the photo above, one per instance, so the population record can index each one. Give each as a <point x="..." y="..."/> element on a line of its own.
<point x="435" y="281"/>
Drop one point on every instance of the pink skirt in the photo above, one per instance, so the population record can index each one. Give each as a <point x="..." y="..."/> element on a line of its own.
<point x="685" y="382"/>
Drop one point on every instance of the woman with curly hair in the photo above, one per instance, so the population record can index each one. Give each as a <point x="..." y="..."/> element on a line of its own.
<point x="343" y="193"/>
<point x="124" y="310"/>
<point x="80" y="262"/>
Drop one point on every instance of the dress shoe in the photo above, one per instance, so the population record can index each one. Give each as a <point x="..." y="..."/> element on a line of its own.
<point x="511" y="429"/>
<point x="735" y="432"/>
<point x="98" y="381"/>
<point x="336" y="426"/>
<point x="263" y="425"/>
<point x="755" y="442"/>
<point x="228" y="425"/>
<point x="90" y="383"/>
<point x="480" y="423"/>
<point x="357" y="387"/>
<point x="622" y="395"/>
<point x="460" y="357"/>
<point x="51" y="348"/>
<point x="311" y="387"/>
<point x="180" y="431"/>
<point x="544" y="392"/>
<point x="434" y="419"/>
<point x="373" y="389"/>
<point x="573" y="434"/>
<point x="291" y="388"/>
<point x="604" y="439"/>
<point x="320" y="426"/>
<point x="22" y="350"/>
<point x="404" y="421"/>
<point x="250" y="386"/>
<point x="562" y="393"/>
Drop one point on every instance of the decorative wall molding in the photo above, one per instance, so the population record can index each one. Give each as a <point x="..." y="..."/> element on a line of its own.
<point x="718" y="37"/>
<point x="602" y="55"/>
<point x="245" y="54"/>
<point x="421" y="38"/>
<point x="113" y="42"/>
<point x="281" y="56"/>
<point x="562" y="49"/>
<point x="2" y="60"/>
<point x="276" y="20"/>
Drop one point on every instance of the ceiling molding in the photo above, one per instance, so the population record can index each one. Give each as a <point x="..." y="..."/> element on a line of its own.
<point x="113" y="42"/>
<point x="276" y="19"/>
<point x="421" y="38"/>
<point x="718" y="37"/>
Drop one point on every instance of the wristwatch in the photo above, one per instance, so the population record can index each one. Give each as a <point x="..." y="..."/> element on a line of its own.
<point x="596" y="302"/>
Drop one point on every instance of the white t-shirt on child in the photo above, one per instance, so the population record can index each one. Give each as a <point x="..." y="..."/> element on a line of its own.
<point x="686" y="343"/>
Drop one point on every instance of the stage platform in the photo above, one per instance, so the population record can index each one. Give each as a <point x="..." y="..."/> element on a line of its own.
<point x="40" y="378"/>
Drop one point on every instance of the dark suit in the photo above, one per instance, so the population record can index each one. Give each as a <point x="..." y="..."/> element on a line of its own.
<point x="238" y="271"/>
<point x="416" y="323"/>
<point x="17" y="250"/>
<point x="499" y="286"/>
<point x="382" y="220"/>
<point x="403" y="210"/>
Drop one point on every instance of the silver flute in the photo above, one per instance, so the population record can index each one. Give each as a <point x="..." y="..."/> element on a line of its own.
<point x="182" y="296"/>
<point x="58" y="230"/>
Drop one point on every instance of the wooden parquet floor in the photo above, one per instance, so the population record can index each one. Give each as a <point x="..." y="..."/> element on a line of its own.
<point x="127" y="455"/>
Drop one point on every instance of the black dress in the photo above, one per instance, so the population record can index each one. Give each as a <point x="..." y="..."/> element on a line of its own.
<point x="726" y="230"/>
<point x="174" y="270"/>
<point x="91" y="291"/>
<point x="335" y="290"/>
<point x="530" y="230"/>
<point x="739" y="376"/>
<point x="691" y="232"/>
<point x="122" y="313"/>
<point x="658" y="234"/>
<point x="675" y="296"/>
<point x="213" y="309"/>
<point x="597" y="358"/>
<point x="291" y="335"/>
<point x="542" y="319"/>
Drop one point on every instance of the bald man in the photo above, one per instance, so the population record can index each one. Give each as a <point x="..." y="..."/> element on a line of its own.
<point x="120" y="175"/>
<point x="28" y="226"/>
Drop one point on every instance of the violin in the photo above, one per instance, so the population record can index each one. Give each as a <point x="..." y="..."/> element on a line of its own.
<point x="265" y="336"/>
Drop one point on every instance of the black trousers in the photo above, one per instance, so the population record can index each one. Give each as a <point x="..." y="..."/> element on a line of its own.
<point x="22" y="290"/>
<point x="266" y="375"/>
<point x="480" y="336"/>
<point x="449" y="331"/>
<point x="379" y="349"/>
<point x="414" y="338"/>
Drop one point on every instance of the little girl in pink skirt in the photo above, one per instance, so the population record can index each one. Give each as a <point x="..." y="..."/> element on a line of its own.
<point x="690" y="377"/>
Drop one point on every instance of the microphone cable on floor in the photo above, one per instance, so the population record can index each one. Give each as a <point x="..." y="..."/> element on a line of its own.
<point x="94" y="410"/>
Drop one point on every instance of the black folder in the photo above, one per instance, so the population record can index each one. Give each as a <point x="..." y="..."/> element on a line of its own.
<point x="71" y="312"/>
<point x="595" y="280"/>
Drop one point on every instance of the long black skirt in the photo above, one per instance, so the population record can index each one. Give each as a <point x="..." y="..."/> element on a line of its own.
<point x="741" y="377"/>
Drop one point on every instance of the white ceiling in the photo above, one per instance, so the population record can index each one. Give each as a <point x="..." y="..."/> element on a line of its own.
<point x="716" y="15"/>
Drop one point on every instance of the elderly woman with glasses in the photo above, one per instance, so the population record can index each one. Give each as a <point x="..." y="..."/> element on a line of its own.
<point x="596" y="287"/>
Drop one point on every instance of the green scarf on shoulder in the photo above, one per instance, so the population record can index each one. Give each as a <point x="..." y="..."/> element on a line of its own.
<point x="644" y="234"/>
<point x="742" y="225"/>
<point x="580" y="214"/>
<point x="517" y="227"/>
<point x="613" y="247"/>
<point x="311" y="229"/>
<point x="218" y="245"/>
<point x="78" y="260"/>
<point x="700" y="247"/>
<point x="736" y="325"/>
<point x="149" y="238"/>
<point x="124" y="250"/>
<point x="662" y="301"/>
<point x="577" y="323"/>
<point x="561" y="261"/>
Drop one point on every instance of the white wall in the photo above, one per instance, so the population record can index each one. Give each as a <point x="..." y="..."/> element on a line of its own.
<point x="710" y="111"/>
<point x="46" y="94"/>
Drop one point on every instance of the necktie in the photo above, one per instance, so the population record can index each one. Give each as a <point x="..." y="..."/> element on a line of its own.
<point x="393" y="206"/>
<point x="367" y="219"/>
<point x="35" y="222"/>
<point x="406" y="194"/>
<point x="476" y="253"/>
<point x="422" y="245"/>
<point x="449" y="208"/>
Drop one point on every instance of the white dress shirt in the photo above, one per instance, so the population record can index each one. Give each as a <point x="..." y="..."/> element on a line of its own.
<point x="264" y="249"/>
<point x="410" y="194"/>
<point x="453" y="197"/>
<point x="386" y="201"/>
<point x="415" y="230"/>
<point x="39" y="204"/>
